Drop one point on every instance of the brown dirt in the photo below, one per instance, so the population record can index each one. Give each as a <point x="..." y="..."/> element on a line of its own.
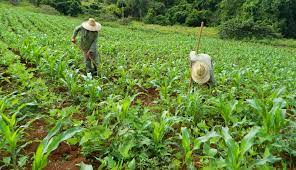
<point x="60" y="89"/>
<point x="37" y="131"/>
<point x="27" y="64"/>
<point x="4" y="84"/>
<point x="291" y="162"/>
<point x="196" y="161"/>
<point x="149" y="95"/>
<point x="65" y="157"/>
<point x="79" y="116"/>
<point x="65" y="103"/>
<point x="15" y="51"/>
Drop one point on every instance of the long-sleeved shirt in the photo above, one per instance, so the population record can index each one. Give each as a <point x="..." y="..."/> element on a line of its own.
<point x="88" y="39"/>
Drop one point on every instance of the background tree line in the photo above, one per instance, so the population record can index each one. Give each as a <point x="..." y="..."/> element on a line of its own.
<point x="235" y="18"/>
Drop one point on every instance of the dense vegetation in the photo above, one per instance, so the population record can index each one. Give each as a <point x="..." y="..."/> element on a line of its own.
<point x="238" y="18"/>
<point x="138" y="113"/>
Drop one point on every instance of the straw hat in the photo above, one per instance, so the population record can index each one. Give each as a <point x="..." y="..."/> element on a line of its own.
<point x="91" y="25"/>
<point x="200" y="72"/>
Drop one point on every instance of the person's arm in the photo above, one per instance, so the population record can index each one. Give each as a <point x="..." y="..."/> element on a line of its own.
<point x="76" y="30"/>
<point x="212" y="78"/>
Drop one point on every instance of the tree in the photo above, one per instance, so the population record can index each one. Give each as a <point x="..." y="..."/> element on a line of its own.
<point x="66" y="7"/>
<point x="14" y="2"/>
<point x="36" y="2"/>
<point x="136" y="8"/>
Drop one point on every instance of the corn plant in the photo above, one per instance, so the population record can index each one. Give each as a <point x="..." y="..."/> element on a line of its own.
<point x="9" y="129"/>
<point x="50" y="143"/>
<point x="11" y="135"/>
<point x="123" y="107"/>
<point x="70" y="79"/>
<point x="274" y="118"/>
<point x="191" y="105"/>
<point x="84" y="166"/>
<point x="109" y="163"/>
<point x="162" y="126"/>
<point x="60" y="69"/>
<point x="93" y="89"/>
<point x="236" y="151"/>
<point x="186" y="144"/>
<point x="226" y="109"/>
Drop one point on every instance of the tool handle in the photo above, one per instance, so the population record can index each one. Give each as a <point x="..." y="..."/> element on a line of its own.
<point x="199" y="37"/>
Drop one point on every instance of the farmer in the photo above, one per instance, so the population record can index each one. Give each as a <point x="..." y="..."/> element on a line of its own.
<point x="89" y="35"/>
<point x="201" y="69"/>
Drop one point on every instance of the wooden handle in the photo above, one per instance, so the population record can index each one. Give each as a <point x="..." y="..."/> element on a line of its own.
<point x="199" y="37"/>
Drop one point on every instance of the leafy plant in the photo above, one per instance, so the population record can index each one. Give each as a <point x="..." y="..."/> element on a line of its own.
<point x="236" y="151"/>
<point x="271" y="111"/>
<point x="50" y="143"/>
<point x="71" y="81"/>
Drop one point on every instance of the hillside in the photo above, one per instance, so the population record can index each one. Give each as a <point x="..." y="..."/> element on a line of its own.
<point x="139" y="112"/>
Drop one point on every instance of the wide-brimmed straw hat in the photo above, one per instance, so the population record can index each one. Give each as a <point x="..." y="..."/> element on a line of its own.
<point x="91" y="25"/>
<point x="200" y="69"/>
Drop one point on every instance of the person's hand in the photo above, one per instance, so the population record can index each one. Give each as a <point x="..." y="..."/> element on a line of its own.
<point x="89" y="54"/>
<point x="73" y="40"/>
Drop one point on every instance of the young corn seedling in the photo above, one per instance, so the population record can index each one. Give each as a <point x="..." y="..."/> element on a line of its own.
<point x="9" y="129"/>
<point x="161" y="127"/>
<point x="71" y="81"/>
<point x="186" y="144"/>
<point x="236" y="151"/>
<point x="50" y="143"/>
<point x="93" y="89"/>
<point x="60" y="69"/>
<point x="124" y="106"/>
<point x="11" y="135"/>
<point x="191" y="104"/>
<point x="273" y="117"/>
<point x="226" y="109"/>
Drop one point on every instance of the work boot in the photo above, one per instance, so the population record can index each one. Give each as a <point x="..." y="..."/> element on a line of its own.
<point x="94" y="73"/>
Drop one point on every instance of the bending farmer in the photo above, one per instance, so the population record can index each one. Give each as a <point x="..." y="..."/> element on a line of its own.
<point x="202" y="68"/>
<point x="89" y="35"/>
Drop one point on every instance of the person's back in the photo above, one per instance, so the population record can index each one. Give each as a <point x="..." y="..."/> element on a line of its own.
<point x="202" y="71"/>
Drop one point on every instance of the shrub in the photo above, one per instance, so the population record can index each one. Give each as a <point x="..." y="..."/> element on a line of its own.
<point x="193" y="19"/>
<point x="125" y="21"/>
<point x="75" y="8"/>
<point x="239" y="29"/>
<point x="150" y="17"/>
<point x="161" y="20"/>
<point x="72" y="7"/>
<point x="112" y="10"/>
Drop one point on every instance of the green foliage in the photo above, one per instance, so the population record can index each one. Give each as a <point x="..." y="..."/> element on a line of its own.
<point x="66" y="7"/>
<point x="263" y="18"/>
<point x="236" y="151"/>
<point x="36" y="2"/>
<point x="196" y="17"/>
<point x="239" y="29"/>
<point x="10" y="132"/>
<point x="272" y="112"/>
<point x="50" y="143"/>
<point x="139" y="113"/>
<point x="251" y="18"/>
<point x="111" y="10"/>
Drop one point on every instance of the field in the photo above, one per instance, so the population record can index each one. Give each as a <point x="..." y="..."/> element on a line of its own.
<point x="139" y="112"/>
